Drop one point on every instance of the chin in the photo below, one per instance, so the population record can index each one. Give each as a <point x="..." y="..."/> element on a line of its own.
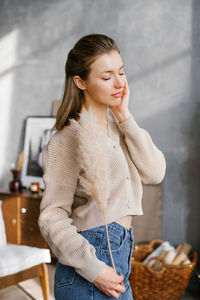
<point x="116" y="102"/>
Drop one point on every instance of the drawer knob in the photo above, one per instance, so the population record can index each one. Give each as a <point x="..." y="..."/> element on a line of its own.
<point x="14" y="222"/>
<point x="23" y="210"/>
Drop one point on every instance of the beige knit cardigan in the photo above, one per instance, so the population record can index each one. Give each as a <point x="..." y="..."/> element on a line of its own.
<point x="66" y="209"/>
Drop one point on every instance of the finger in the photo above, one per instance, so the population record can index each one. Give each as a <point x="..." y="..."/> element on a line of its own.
<point x="126" y="89"/>
<point x="126" y="84"/>
<point x="108" y="292"/>
<point x="122" y="284"/>
<point x="118" y="281"/>
<point x="120" y="288"/>
<point x="115" y="294"/>
<point x="120" y="278"/>
<point x="117" y="287"/>
<point x="126" y="81"/>
<point x="117" y="278"/>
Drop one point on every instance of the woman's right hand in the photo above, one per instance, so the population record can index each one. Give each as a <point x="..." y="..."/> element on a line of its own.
<point x="109" y="282"/>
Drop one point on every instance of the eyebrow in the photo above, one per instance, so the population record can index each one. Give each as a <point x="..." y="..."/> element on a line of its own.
<point x="110" y="71"/>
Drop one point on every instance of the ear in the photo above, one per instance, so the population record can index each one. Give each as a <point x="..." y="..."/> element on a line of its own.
<point x="79" y="82"/>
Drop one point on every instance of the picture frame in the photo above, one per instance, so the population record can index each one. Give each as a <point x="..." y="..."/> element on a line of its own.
<point x="38" y="131"/>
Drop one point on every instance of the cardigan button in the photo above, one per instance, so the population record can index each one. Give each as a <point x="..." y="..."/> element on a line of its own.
<point x="129" y="204"/>
<point x="128" y="177"/>
<point x="116" y="147"/>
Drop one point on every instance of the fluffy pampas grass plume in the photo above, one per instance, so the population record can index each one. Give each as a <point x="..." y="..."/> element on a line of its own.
<point x="93" y="161"/>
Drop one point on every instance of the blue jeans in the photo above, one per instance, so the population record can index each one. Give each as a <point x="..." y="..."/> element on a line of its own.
<point x="69" y="285"/>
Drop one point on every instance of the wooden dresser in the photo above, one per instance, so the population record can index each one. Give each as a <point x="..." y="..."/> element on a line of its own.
<point x="21" y="212"/>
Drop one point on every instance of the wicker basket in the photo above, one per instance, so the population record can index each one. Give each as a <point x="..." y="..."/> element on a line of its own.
<point x="167" y="284"/>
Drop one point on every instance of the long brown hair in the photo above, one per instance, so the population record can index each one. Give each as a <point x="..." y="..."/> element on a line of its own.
<point x="79" y="60"/>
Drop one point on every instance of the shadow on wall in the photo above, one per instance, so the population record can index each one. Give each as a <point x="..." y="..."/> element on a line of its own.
<point x="192" y="169"/>
<point x="192" y="165"/>
<point x="192" y="134"/>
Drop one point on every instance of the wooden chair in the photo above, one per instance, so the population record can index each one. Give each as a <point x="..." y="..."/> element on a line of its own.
<point x="20" y="262"/>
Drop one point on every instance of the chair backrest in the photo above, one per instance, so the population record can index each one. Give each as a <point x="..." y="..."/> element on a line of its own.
<point x="3" y="240"/>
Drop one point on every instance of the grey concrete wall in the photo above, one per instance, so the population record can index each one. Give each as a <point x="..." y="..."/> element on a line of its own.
<point x="159" y="42"/>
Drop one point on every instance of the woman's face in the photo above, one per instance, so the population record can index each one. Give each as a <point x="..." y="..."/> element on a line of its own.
<point x="105" y="79"/>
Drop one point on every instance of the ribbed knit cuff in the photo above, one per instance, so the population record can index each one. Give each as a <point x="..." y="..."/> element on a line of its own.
<point x="91" y="269"/>
<point x="129" y="126"/>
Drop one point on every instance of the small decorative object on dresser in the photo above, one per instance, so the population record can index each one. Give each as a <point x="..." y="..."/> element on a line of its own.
<point x="35" y="187"/>
<point x="16" y="184"/>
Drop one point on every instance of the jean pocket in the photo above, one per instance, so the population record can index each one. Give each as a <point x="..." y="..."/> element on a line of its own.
<point x="93" y="237"/>
<point x="116" y="240"/>
<point x="64" y="275"/>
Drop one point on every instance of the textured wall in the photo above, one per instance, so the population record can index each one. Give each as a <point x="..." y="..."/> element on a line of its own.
<point x="159" y="42"/>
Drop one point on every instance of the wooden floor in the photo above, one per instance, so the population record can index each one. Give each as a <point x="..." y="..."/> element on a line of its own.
<point x="31" y="289"/>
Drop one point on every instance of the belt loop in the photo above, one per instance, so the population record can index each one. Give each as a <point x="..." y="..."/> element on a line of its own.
<point x="131" y="231"/>
<point x="125" y="231"/>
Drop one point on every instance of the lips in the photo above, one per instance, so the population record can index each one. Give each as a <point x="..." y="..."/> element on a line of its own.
<point x="118" y="94"/>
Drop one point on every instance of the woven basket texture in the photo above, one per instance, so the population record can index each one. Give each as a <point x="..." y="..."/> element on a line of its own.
<point x="167" y="284"/>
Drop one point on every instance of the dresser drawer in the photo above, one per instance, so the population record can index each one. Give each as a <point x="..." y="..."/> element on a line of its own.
<point x="11" y="215"/>
<point x="21" y="212"/>
<point x="30" y="235"/>
<point x="29" y="209"/>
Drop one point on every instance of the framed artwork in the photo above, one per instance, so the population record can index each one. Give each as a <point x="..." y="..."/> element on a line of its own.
<point x="38" y="131"/>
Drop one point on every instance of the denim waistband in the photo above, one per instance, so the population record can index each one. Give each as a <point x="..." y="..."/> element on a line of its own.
<point x="118" y="228"/>
<point x="121" y="229"/>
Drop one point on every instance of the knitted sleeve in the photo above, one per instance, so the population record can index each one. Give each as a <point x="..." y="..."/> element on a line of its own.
<point x="61" y="170"/>
<point x="148" y="159"/>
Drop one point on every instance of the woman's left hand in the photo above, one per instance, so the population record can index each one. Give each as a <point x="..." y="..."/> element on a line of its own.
<point x="121" y="111"/>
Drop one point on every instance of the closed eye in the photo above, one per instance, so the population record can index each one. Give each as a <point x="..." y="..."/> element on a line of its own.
<point x="110" y="77"/>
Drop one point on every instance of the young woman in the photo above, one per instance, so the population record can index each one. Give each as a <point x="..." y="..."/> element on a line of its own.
<point x="70" y="221"/>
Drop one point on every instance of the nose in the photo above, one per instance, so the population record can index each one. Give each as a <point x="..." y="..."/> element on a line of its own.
<point x="118" y="82"/>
